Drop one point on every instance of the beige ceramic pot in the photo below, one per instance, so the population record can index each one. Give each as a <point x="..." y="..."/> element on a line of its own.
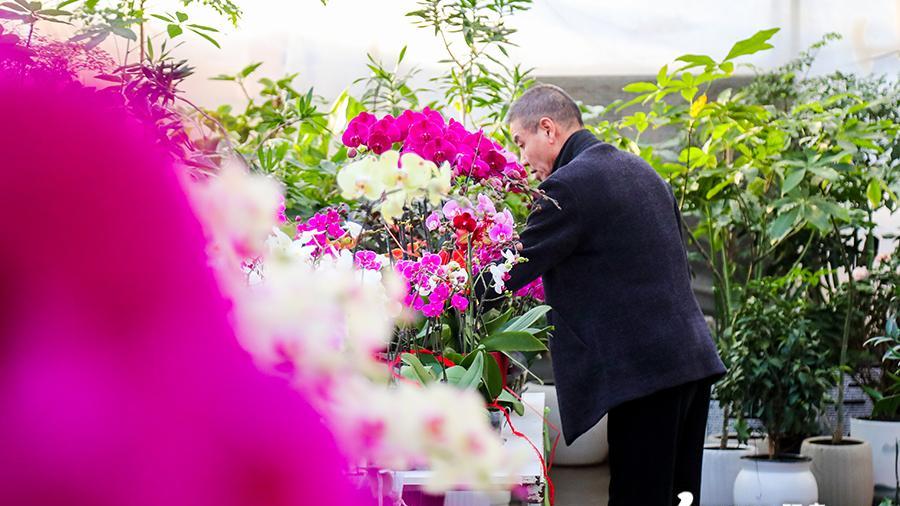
<point x="843" y="472"/>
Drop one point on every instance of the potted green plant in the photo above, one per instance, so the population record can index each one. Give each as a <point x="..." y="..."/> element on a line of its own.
<point x="779" y="361"/>
<point x="882" y="429"/>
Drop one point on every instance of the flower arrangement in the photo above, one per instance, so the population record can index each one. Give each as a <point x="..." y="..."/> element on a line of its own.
<point x="371" y="307"/>
<point x="320" y="311"/>
<point x="431" y="197"/>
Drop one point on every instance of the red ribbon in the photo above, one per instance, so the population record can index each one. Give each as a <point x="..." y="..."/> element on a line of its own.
<point x="545" y="468"/>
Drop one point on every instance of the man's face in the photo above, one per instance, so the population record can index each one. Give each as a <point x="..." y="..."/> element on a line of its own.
<point x="538" y="148"/>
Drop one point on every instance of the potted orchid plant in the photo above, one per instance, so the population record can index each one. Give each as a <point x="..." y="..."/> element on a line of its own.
<point x="426" y="205"/>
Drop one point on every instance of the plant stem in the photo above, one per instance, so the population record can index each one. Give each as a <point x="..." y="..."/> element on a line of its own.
<point x="723" y="444"/>
<point x="142" y="32"/>
<point x="838" y="435"/>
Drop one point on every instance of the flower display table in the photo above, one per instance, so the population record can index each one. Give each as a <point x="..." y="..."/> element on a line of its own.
<point x="531" y="475"/>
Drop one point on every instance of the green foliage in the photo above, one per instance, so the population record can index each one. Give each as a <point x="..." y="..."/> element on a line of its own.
<point x="294" y="136"/>
<point x="129" y="20"/>
<point x="479" y="83"/>
<point x="389" y="91"/>
<point x="784" y="173"/>
<point x="778" y="360"/>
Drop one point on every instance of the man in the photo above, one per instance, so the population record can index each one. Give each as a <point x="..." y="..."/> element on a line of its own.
<point x="629" y="337"/>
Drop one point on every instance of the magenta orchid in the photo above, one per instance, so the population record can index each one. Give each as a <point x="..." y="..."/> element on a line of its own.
<point x="472" y="155"/>
<point x="327" y="232"/>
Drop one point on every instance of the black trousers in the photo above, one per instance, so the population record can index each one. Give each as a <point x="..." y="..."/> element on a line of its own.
<point x="656" y="446"/>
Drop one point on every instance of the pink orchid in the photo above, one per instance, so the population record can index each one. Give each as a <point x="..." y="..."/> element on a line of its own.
<point x="358" y="130"/>
<point x="387" y="126"/>
<point x="367" y="260"/>
<point x="433" y="310"/>
<point x="423" y="131"/>
<point x="433" y="222"/>
<point x="439" y="151"/>
<point x="486" y="206"/>
<point x="503" y="227"/>
<point x="379" y="142"/>
<point x="459" y="301"/>
<point x="535" y="290"/>
<point x="440" y="294"/>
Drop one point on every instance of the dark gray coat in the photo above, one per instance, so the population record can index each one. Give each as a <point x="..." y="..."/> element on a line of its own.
<point x="616" y="274"/>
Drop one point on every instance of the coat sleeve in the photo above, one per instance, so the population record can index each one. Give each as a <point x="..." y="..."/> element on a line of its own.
<point x="551" y="233"/>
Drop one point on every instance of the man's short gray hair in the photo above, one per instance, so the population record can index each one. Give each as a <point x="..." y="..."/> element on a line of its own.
<point x="545" y="100"/>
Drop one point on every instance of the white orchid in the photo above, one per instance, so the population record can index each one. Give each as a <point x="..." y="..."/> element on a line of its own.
<point x="498" y="271"/>
<point x="395" y="180"/>
<point x="238" y="208"/>
<point x="362" y="178"/>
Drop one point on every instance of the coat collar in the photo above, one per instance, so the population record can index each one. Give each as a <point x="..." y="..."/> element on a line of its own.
<point x="574" y="146"/>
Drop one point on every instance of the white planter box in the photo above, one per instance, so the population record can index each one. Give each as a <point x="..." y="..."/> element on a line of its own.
<point x="882" y="437"/>
<point x="720" y="469"/>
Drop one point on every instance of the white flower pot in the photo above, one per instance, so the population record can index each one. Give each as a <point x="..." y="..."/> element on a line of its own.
<point x="720" y="469"/>
<point x="843" y="472"/>
<point x="881" y="437"/>
<point x="590" y="449"/>
<point x="764" y="482"/>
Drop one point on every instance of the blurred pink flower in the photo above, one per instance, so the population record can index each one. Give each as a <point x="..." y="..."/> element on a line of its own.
<point x="121" y="380"/>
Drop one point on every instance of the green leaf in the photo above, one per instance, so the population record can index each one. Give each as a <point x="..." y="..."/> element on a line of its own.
<point x="474" y="374"/>
<point x="182" y="17"/>
<point x="203" y="27"/>
<point x="174" y="31"/>
<point x="689" y="93"/>
<point x="640" y="87"/>
<point x="14" y="6"/>
<point x="758" y="42"/>
<point x="493" y="325"/>
<point x="662" y="78"/>
<point x="54" y="12"/>
<point x="455" y="374"/>
<point x="423" y="374"/>
<point x="207" y="37"/>
<point x="249" y="69"/>
<point x="824" y="172"/>
<point x="513" y="341"/>
<point x="784" y="222"/>
<point x="887" y="407"/>
<point x="727" y="67"/>
<point x="715" y="190"/>
<point x="834" y="209"/>
<point x="508" y="398"/>
<point x="493" y="377"/>
<point x="125" y="33"/>
<point x="873" y="192"/>
<point x="793" y="179"/>
<point x="818" y="217"/>
<point x="527" y="319"/>
<point x="696" y="60"/>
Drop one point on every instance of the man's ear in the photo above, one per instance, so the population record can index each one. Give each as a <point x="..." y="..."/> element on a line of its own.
<point x="548" y="128"/>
